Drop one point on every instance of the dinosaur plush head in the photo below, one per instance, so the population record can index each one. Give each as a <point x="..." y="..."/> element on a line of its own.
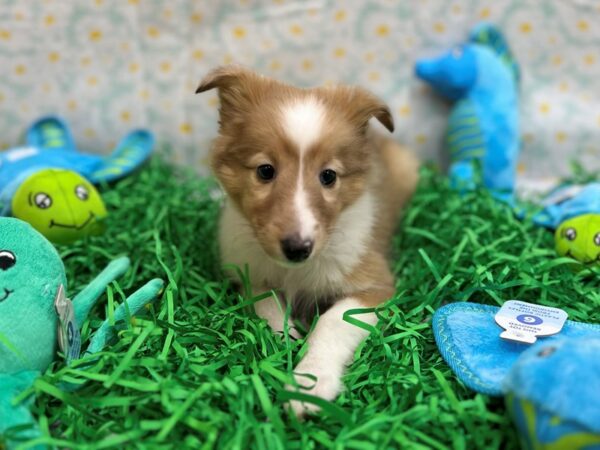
<point x="579" y="238"/>
<point x="60" y="204"/>
<point x="30" y="273"/>
<point x="452" y="74"/>
<point x="484" y="60"/>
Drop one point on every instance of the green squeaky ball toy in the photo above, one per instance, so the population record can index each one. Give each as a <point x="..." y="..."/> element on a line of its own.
<point x="60" y="204"/>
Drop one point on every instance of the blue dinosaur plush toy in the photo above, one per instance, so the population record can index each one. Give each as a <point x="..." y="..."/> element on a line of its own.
<point x="481" y="78"/>
<point x="36" y="318"/>
<point x="48" y="182"/>
<point x="551" y="388"/>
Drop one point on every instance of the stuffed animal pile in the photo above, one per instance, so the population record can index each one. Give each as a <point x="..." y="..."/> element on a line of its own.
<point x="552" y="387"/>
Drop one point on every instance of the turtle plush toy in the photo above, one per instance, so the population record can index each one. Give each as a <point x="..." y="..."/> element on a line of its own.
<point x="573" y="211"/>
<point x="36" y="318"/>
<point x="551" y="388"/>
<point x="49" y="184"/>
<point x="480" y="78"/>
<point x="60" y="204"/>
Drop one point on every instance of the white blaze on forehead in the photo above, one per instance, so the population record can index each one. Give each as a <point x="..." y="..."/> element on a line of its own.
<point x="303" y="122"/>
<point x="306" y="218"/>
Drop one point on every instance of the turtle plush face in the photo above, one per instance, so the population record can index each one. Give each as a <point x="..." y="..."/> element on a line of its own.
<point x="30" y="273"/>
<point x="61" y="205"/>
<point x="579" y="238"/>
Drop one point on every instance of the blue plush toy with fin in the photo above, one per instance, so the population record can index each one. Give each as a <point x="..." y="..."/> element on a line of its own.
<point x="551" y="388"/>
<point x="36" y="319"/>
<point x="48" y="182"/>
<point x="481" y="78"/>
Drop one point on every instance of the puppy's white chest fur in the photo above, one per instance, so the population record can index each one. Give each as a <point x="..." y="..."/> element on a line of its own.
<point x="321" y="276"/>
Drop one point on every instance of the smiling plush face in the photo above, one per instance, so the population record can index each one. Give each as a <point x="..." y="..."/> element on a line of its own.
<point x="30" y="273"/>
<point x="579" y="238"/>
<point x="292" y="160"/>
<point x="61" y="205"/>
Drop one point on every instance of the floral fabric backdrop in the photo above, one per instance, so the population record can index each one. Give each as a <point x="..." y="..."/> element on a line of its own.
<point x="110" y="65"/>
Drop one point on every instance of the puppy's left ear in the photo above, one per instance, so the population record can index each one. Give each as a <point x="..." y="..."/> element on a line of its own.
<point x="383" y="114"/>
<point x="361" y="105"/>
<point x="373" y="106"/>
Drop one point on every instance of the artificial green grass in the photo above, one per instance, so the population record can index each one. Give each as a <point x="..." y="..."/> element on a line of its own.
<point x="201" y="371"/>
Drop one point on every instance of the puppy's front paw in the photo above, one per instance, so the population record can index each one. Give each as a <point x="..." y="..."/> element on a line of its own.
<point x="326" y="386"/>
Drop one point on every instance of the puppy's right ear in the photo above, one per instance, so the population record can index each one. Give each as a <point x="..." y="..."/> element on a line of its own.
<point x="224" y="77"/>
<point x="238" y="87"/>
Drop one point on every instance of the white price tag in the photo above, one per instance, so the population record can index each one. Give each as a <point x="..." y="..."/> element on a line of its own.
<point x="524" y="322"/>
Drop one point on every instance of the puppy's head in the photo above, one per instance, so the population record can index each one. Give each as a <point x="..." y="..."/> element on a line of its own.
<point x="292" y="160"/>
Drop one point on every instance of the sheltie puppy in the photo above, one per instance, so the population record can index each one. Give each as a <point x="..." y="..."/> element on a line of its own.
<point x="312" y="199"/>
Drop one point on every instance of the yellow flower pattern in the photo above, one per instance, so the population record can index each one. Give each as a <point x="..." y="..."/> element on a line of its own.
<point x="143" y="59"/>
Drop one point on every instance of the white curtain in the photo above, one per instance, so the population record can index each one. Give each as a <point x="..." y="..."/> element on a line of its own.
<point x="111" y="65"/>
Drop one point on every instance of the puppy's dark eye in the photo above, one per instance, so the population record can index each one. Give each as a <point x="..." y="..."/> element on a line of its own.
<point x="265" y="172"/>
<point x="570" y="234"/>
<point x="327" y="177"/>
<point x="7" y="259"/>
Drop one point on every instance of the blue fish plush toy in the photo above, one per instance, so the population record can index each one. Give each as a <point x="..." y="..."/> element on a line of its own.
<point x="551" y="388"/>
<point x="481" y="78"/>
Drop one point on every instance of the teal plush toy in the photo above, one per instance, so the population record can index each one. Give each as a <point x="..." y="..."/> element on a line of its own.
<point x="35" y="316"/>
<point x="480" y="78"/>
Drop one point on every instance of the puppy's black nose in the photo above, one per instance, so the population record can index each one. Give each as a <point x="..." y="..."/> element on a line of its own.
<point x="296" y="249"/>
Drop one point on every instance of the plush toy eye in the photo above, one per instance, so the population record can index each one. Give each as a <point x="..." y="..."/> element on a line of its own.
<point x="328" y="177"/>
<point x="43" y="200"/>
<point x="265" y="172"/>
<point x="81" y="192"/>
<point x="570" y="234"/>
<point x="545" y="352"/>
<point x="7" y="260"/>
<point x="597" y="239"/>
<point x="457" y="52"/>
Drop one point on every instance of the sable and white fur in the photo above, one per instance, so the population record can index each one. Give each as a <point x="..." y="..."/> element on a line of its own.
<point x="302" y="132"/>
